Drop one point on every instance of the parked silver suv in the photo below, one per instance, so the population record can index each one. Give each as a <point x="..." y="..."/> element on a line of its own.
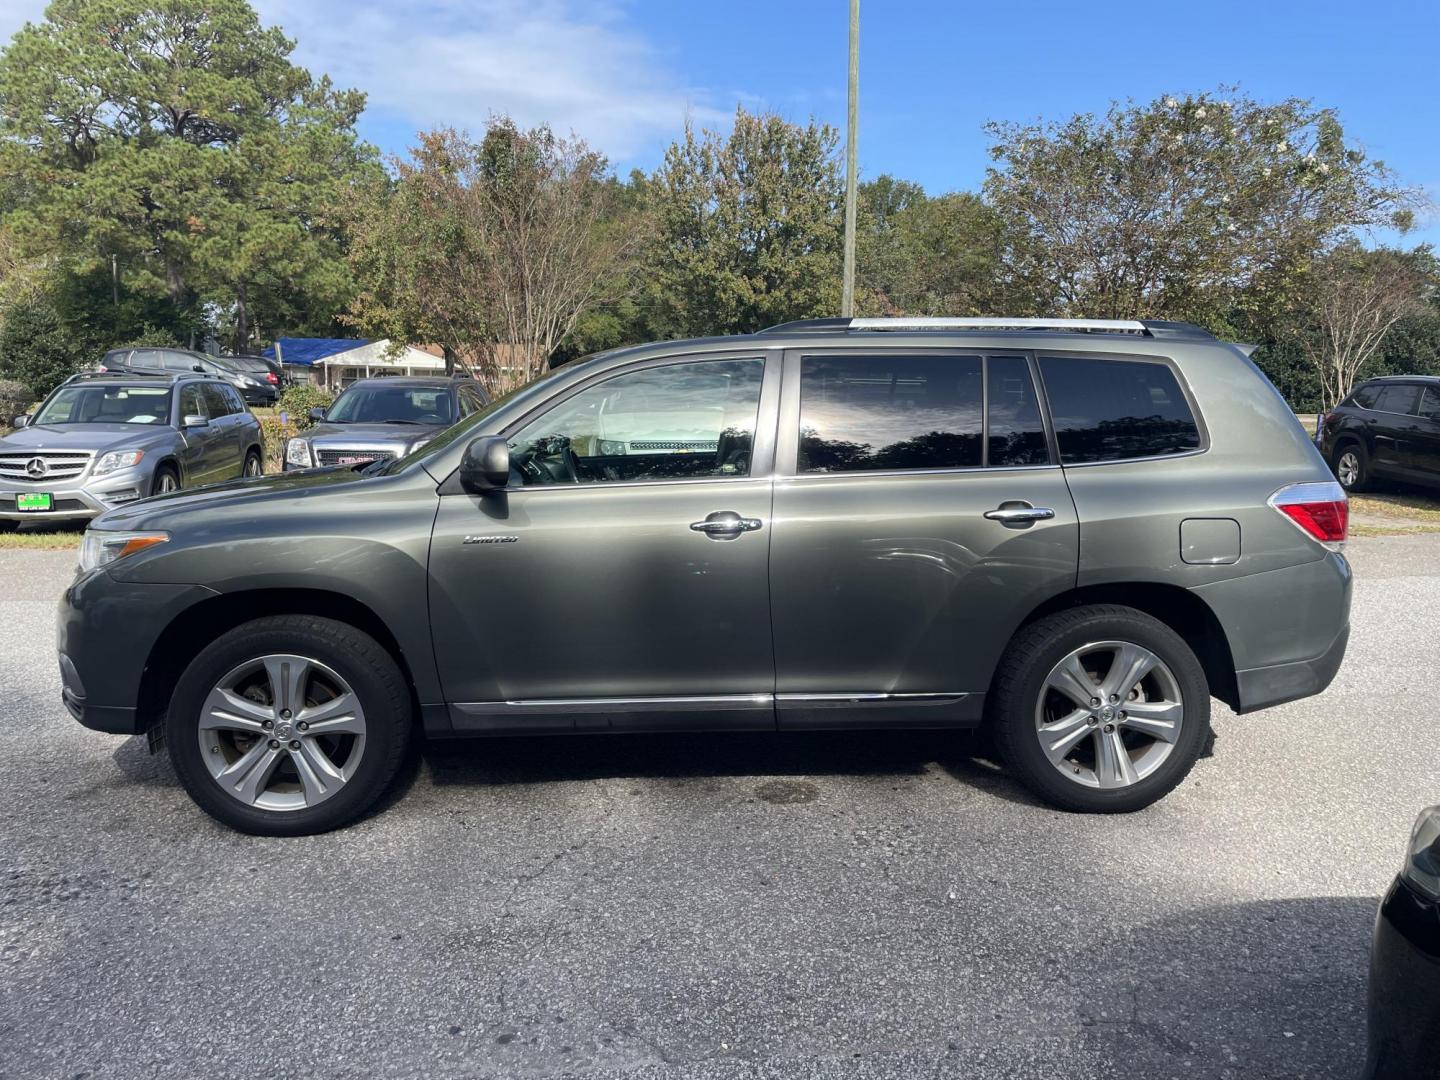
<point x="105" y="439"/>
<point x="1074" y="533"/>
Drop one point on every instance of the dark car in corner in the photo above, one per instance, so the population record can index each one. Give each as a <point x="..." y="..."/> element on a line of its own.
<point x="383" y="419"/>
<point x="1405" y="964"/>
<point x="1387" y="429"/>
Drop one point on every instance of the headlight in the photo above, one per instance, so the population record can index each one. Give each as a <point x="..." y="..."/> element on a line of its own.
<point x="103" y="548"/>
<point x="297" y="452"/>
<point x="1422" y="860"/>
<point x="117" y="459"/>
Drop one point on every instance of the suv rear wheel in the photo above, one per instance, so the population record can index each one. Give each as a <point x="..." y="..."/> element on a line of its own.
<point x="1101" y="709"/>
<point x="289" y="725"/>
<point x="1352" y="467"/>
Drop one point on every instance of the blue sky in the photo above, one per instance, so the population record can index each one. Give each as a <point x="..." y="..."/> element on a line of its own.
<point x="625" y="75"/>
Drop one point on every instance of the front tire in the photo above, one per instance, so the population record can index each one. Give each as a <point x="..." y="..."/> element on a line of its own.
<point x="289" y="725"/>
<point x="1100" y="709"/>
<point x="166" y="480"/>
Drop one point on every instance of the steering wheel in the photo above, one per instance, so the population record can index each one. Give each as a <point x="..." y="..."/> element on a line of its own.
<point x="567" y="457"/>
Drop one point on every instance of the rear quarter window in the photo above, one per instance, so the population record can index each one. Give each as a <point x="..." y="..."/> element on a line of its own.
<point x="1364" y="397"/>
<point x="1114" y="410"/>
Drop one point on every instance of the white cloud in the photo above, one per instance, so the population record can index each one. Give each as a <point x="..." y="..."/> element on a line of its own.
<point x="577" y="67"/>
<point x="580" y="67"/>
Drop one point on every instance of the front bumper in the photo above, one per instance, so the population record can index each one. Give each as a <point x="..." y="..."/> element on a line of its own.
<point x="80" y="498"/>
<point x="106" y="632"/>
<point x="1404" y="987"/>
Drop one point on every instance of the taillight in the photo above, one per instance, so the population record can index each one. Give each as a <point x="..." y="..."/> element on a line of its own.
<point x="271" y="379"/>
<point x="102" y="367"/>
<point x="1320" y="510"/>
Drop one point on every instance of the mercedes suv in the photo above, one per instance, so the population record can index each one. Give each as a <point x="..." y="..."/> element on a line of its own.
<point x="101" y="440"/>
<point x="1072" y="533"/>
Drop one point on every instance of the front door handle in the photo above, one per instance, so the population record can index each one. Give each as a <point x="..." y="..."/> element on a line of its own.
<point x="725" y="525"/>
<point x="1019" y="513"/>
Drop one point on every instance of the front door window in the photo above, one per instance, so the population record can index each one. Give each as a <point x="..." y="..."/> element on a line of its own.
<point x="684" y="421"/>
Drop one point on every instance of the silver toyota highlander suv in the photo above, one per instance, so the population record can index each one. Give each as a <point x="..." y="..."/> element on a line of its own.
<point x="1073" y="533"/>
<point x="105" y="439"/>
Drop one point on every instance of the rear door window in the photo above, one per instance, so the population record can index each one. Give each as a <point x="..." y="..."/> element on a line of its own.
<point x="216" y="401"/>
<point x="1430" y="403"/>
<point x="1014" y="430"/>
<point x="1114" y="410"/>
<point x="1401" y="399"/>
<point x="890" y="412"/>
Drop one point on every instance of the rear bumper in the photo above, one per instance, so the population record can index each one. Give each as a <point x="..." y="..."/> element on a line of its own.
<point x="1404" y="987"/>
<point x="1260" y="688"/>
<point x="1287" y="629"/>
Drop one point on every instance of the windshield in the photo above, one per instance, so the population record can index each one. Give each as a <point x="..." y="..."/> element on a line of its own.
<point x="392" y="405"/>
<point x="106" y="405"/>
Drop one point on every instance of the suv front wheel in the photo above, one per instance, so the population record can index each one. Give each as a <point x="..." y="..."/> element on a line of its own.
<point x="1101" y="709"/>
<point x="289" y="725"/>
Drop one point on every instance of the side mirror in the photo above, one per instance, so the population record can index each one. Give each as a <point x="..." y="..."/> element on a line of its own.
<point x="317" y="413"/>
<point x="21" y="421"/>
<point x="197" y="367"/>
<point x="486" y="465"/>
<point x="196" y="420"/>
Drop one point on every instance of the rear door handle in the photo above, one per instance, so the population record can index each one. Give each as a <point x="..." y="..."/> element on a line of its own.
<point x="725" y="525"/>
<point x="1020" y="513"/>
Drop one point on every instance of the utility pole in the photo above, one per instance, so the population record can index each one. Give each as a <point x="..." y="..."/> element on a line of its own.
<point x="847" y="288"/>
<point x="114" y="281"/>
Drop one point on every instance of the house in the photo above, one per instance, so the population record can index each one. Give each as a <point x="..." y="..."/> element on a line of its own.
<point x="335" y="363"/>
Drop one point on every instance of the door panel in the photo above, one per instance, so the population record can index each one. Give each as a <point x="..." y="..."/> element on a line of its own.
<point x="892" y="593"/>
<point x="1426" y="450"/>
<point x="195" y="453"/>
<point x="1391" y="426"/>
<point x="583" y="595"/>
<point x="899" y="584"/>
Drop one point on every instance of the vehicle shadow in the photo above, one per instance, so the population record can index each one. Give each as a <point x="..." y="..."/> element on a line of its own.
<point x="538" y="759"/>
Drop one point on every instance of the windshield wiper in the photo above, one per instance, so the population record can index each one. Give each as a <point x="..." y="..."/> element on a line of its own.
<point x="400" y="422"/>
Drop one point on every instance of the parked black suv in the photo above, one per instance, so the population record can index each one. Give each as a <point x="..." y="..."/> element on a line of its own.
<point x="255" y="387"/>
<point x="1388" y="429"/>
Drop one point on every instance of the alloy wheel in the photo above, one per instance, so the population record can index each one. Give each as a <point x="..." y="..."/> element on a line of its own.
<point x="167" y="484"/>
<point x="252" y="466"/>
<point x="282" y="732"/>
<point x="1109" y="714"/>
<point x="1347" y="471"/>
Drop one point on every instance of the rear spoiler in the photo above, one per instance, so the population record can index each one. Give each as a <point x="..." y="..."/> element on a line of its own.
<point x="1245" y="348"/>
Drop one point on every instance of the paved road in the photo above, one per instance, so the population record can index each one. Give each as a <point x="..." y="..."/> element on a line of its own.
<point x="717" y="907"/>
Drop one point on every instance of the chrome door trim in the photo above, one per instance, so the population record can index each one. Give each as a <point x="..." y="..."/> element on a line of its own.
<point x="702" y="702"/>
<point x="866" y="698"/>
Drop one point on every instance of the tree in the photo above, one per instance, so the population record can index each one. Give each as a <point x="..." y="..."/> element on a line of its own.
<point x="1185" y="208"/>
<point x="492" y="249"/>
<point x="39" y="347"/>
<point x="923" y="255"/>
<point x="176" y="137"/>
<point x="747" y="228"/>
<point x="1358" y="297"/>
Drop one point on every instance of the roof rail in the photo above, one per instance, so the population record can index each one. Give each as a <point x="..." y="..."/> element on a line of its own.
<point x="1147" y="327"/>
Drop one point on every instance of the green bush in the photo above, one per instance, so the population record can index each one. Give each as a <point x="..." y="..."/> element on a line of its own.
<point x="39" y="349"/>
<point x="14" y="400"/>
<point x="274" y="434"/>
<point x="299" y="399"/>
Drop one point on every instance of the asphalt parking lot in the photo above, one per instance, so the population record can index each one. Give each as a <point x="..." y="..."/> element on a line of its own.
<point x="717" y="906"/>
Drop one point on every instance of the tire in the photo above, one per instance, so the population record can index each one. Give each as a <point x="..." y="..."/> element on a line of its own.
<point x="254" y="465"/>
<point x="1352" y="461"/>
<point x="367" y="734"/>
<point x="166" y="480"/>
<point x="8" y="525"/>
<point x="1022" y="697"/>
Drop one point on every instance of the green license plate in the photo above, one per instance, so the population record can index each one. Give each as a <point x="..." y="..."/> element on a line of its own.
<point x="34" y="501"/>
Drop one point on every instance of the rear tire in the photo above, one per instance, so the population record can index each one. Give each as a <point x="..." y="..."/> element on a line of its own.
<point x="1114" y="752"/>
<point x="253" y="466"/>
<point x="253" y="762"/>
<point x="1352" y="467"/>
